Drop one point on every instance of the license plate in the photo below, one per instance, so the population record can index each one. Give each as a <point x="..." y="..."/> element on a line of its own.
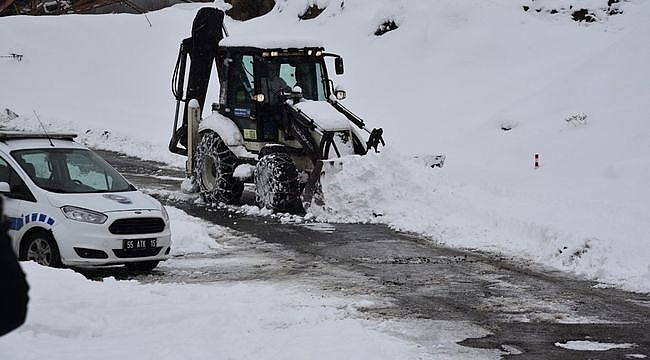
<point x="138" y="244"/>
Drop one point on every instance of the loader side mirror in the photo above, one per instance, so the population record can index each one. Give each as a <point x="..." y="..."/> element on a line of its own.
<point x="338" y="66"/>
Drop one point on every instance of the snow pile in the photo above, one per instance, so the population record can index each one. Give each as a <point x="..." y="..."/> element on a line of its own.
<point x="484" y="82"/>
<point x="193" y="236"/>
<point x="328" y="117"/>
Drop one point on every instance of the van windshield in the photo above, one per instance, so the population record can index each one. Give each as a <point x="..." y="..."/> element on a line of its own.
<point x="70" y="171"/>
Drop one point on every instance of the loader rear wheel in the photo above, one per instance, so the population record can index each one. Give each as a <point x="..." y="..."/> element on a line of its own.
<point x="213" y="170"/>
<point x="277" y="184"/>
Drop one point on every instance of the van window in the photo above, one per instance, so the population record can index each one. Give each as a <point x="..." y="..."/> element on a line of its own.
<point x="18" y="188"/>
<point x="70" y="171"/>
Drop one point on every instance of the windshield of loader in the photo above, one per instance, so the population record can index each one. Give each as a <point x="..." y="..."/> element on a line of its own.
<point x="286" y="72"/>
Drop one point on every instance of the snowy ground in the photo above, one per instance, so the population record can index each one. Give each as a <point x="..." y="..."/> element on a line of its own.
<point x="71" y="317"/>
<point x="448" y="80"/>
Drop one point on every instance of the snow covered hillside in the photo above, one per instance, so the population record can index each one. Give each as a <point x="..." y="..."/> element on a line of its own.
<point x="482" y="81"/>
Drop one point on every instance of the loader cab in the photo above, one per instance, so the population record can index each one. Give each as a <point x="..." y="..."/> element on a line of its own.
<point x="255" y="82"/>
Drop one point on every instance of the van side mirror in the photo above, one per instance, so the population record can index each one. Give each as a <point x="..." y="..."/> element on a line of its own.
<point x="338" y="66"/>
<point x="4" y="187"/>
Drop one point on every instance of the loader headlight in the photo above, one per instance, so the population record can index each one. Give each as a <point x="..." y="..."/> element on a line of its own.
<point x="340" y="93"/>
<point x="258" y="97"/>
<point x="83" y="215"/>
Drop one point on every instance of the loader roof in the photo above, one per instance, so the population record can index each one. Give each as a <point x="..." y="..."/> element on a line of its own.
<point x="268" y="42"/>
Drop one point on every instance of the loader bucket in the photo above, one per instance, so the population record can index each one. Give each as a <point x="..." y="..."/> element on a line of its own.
<point x="313" y="191"/>
<point x="332" y="166"/>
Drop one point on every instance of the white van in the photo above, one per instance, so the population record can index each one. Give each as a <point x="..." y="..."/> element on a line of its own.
<point x="66" y="206"/>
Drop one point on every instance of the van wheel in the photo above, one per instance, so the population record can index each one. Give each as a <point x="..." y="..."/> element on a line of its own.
<point x="42" y="248"/>
<point x="142" y="265"/>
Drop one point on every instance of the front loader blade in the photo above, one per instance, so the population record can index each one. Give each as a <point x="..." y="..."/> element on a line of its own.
<point x="312" y="190"/>
<point x="332" y="166"/>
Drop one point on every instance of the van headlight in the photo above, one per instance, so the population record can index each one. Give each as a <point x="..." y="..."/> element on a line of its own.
<point x="164" y="213"/>
<point x="83" y="215"/>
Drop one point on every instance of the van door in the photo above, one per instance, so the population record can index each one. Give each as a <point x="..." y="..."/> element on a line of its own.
<point x="16" y="201"/>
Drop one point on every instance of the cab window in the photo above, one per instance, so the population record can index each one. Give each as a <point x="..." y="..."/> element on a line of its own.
<point x="287" y="72"/>
<point x="241" y="82"/>
<point x="241" y="88"/>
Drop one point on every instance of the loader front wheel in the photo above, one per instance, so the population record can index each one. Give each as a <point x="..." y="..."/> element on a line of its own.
<point x="277" y="184"/>
<point x="214" y="165"/>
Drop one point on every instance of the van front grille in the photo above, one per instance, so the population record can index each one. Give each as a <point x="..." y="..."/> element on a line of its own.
<point x="133" y="226"/>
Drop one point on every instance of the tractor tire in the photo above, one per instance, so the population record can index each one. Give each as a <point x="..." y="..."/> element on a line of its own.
<point x="41" y="247"/>
<point x="277" y="184"/>
<point x="214" y="165"/>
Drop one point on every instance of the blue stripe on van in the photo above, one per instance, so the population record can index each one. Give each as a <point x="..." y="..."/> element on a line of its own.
<point x="15" y="223"/>
<point x="19" y="222"/>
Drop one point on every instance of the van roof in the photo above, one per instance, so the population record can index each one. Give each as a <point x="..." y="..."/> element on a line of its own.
<point x="9" y="134"/>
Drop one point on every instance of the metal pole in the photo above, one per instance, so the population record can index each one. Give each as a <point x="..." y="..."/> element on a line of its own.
<point x="194" y="116"/>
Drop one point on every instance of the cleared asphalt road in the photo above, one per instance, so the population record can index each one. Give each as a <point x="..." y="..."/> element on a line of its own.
<point x="530" y="311"/>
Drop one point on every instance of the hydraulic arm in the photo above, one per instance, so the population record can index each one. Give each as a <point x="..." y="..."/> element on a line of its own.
<point x="201" y="47"/>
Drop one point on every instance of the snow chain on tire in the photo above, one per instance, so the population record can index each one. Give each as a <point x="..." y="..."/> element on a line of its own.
<point x="277" y="184"/>
<point x="213" y="170"/>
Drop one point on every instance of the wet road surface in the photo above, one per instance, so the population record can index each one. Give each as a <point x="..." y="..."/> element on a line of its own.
<point x="529" y="311"/>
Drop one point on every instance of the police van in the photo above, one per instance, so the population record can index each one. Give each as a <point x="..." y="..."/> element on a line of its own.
<point x="66" y="206"/>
